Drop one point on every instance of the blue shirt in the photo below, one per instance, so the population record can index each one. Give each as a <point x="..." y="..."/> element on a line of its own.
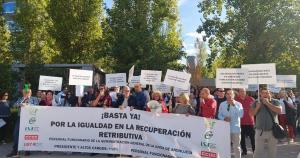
<point x="235" y="113"/>
<point x="31" y="101"/>
<point x="141" y="101"/>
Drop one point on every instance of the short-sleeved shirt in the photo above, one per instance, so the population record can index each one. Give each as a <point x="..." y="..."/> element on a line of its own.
<point x="263" y="119"/>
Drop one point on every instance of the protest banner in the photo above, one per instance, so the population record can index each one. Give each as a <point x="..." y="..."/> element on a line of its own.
<point x="113" y="80"/>
<point x="273" y="88"/>
<point x="177" y="79"/>
<point x="261" y="73"/>
<point x="232" y="78"/>
<point x="50" y="83"/>
<point x="114" y="131"/>
<point x="178" y="91"/>
<point x="286" y="81"/>
<point x="134" y="80"/>
<point x="162" y="88"/>
<point x="150" y="77"/>
<point x="253" y="87"/>
<point x="130" y="74"/>
<point x="79" y="91"/>
<point x="81" y="77"/>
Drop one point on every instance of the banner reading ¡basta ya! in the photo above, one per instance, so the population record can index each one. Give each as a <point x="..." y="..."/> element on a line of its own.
<point x="114" y="131"/>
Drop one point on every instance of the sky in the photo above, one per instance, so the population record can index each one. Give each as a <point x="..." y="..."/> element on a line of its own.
<point x="189" y="21"/>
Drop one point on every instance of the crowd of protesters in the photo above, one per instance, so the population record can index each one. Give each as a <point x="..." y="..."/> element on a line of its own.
<point x="248" y="115"/>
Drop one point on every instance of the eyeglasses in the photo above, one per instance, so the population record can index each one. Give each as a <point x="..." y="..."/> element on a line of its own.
<point x="6" y="95"/>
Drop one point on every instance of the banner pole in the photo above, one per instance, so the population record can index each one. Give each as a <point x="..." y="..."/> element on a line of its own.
<point x="258" y="97"/>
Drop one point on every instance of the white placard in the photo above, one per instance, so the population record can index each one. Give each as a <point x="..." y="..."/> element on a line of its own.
<point x="130" y="74"/>
<point x="2" y="123"/>
<point x="253" y="87"/>
<point x="162" y="88"/>
<point x="115" y="131"/>
<point x="177" y="79"/>
<point x="261" y="73"/>
<point x="232" y="78"/>
<point x="150" y="77"/>
<point x="273" y="88"/>
<point x="50" y="83"/>
<point x="286" y="81"/>
<point x="113" y="80"/>
<point x="81" y="77"/>
<point x="135" y="80"/>
<point x="178" y="91"/>
<point x="79" y="91"/>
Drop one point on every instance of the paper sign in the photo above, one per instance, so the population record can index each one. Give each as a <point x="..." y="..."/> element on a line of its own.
<point x="79" y="91"/>
<point x="81" y="77"/>
<point x="252" y="87"/>
<point x="177" y="79"/>
<point x="286" y="81"/>
<point x="134" y="80"/>
<point x="50" y="83"/>
<point x="261" y="73"/>
<point x="130" y="74"/>
<point x="150" y="77"/>
<point x="232" y="78"/>
<point x="113" y="80"/>
<point x="162" y="88"/>
<point x="178" y="91"/>
<point x="2" y="123"/>
<point x="273" y="88"/>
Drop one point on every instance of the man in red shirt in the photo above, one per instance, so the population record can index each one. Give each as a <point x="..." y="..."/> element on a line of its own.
<point x="247" y="121"/>
<point x="208" y="104"/>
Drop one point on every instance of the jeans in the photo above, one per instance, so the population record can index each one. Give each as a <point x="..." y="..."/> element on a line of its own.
<point x="16" y="135"/>
<point x="3" y="129"/>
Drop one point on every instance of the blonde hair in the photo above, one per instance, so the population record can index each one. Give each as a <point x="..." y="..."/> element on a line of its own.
<point x="157" y="93"/>
<point x="184" y="97"/>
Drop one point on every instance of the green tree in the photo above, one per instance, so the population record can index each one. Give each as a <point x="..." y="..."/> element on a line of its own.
<point x="5" y="54"/>
<point x="77" y="29"/>
<point x="146" y="34"/>
<point x="32" y="42"/>
<point x="253" y="31"/>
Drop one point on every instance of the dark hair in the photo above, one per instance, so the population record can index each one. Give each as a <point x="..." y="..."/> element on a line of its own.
<point x="264" y="89"/>
<point x="2" y="93"/>
<point x="49" y="92"/>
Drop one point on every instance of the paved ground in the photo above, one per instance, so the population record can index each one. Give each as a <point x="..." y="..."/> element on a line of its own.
<point x="285" y="150"/>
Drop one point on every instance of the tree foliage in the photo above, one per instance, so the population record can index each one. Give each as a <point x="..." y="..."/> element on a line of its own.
<point x="5" y="53"/>
<point x="145" y="34"/>
<point x="76" y="29"/>
<point x="253" y="32"/>
<point x="31" y="41"/>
